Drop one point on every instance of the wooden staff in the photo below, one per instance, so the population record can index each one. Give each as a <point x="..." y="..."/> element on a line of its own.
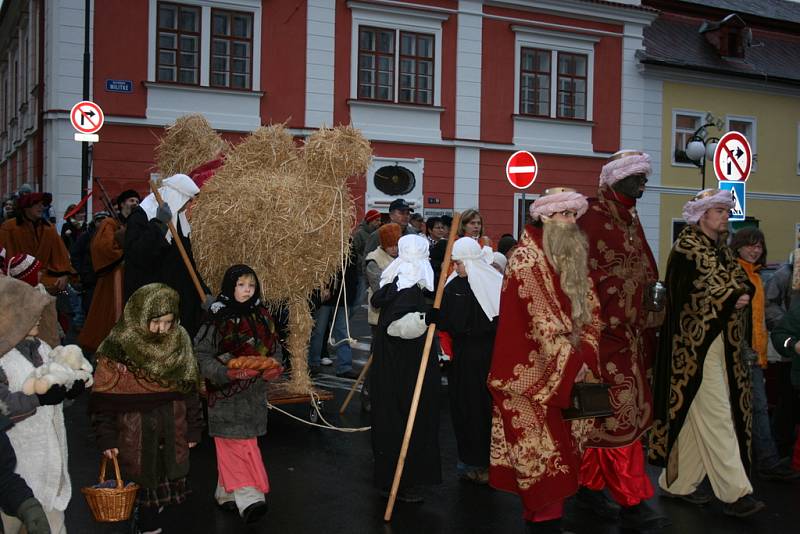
<point x="423" y="365"/>
<point x="355" y="386"/>
<point x="177" y="239"/>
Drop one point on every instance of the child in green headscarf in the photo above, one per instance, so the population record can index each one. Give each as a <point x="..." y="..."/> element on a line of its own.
<point x="144" y="404"/>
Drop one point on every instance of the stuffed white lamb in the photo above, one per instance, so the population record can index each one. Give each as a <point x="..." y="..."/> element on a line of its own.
<point x="66" y="366"/>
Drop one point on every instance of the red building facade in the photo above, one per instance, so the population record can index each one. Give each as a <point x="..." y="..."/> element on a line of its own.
<point x="446" y="90"/>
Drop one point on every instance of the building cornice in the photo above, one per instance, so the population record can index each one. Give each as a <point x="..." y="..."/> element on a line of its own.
<point x="583" y="10"/>
<point x="755" y="195"/>
<point x="698" y="76"/>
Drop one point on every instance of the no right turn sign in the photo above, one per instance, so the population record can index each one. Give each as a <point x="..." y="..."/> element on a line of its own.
<point x="733" y="158"/>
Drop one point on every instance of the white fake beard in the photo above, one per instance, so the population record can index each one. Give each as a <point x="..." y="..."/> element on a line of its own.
<point x="566" y="247"/>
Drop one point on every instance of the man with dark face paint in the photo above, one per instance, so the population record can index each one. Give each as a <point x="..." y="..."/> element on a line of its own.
<point x="622" y="268"/>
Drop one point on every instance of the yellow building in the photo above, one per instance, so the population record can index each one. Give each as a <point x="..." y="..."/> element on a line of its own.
<point x="737" y="74"/>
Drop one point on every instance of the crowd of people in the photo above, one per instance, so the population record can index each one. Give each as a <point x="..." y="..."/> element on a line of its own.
<point x="569" y="365"/>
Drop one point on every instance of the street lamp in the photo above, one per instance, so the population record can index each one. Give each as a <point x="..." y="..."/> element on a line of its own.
<point x="699" y="148"/>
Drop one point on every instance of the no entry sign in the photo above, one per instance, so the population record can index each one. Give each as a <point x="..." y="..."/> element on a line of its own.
<point x="86" y="117"/>
<point x="733" y="158"/>
<point x="521" y="169"/>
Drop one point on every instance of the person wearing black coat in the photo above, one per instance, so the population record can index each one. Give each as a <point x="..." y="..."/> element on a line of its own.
<point x="149" y="258"/>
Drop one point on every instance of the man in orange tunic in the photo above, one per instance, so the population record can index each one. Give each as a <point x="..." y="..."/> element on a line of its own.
<point x="106" y="250"/>
<point x="546" y="340"/>
<point x="29" y="233"/>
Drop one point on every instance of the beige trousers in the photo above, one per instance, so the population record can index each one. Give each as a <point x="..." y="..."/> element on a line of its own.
<point x="12" y="525"/>
<point x="707" y="443"/>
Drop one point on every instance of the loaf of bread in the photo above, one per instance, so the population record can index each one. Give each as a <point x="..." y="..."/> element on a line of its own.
<point x="259" y="363"/>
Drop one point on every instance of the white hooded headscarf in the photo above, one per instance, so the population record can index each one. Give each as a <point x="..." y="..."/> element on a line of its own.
<point x="412" y="265"/>
<point x="176" y="191"/>
<point x="484" y="280"/>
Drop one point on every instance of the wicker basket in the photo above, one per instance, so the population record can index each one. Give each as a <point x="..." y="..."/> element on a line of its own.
<point x="111" y="504"/>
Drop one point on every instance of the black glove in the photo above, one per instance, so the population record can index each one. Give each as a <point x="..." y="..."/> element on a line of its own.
<point x="432" y="316"/>
<point x="164" y="213"/>
<point x="54" y="395"/>
<point x="32" y="515"/>
<point x="78" y="387"/>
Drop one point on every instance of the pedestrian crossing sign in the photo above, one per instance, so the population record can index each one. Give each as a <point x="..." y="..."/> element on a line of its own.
<point x="738" y="192"/>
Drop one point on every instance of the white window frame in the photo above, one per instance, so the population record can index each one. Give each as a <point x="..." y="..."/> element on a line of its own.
<point x="397" y="19"/>
<point x="247" y="6"/>
<point x="700" y="115"/>
<point x="554" y="41"/>
<point x="754" y="134"/>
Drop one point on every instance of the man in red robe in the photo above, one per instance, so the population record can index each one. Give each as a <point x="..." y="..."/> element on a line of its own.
<point x="546" y="340"/>
<point x="622" y="268"/>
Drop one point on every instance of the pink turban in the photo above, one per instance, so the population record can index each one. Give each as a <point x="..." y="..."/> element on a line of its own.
<point x="623" y="164"/>
<point x="705" y="200"/>
<point x="560" y="200"/>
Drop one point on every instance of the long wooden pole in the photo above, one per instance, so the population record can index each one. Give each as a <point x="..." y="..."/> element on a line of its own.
<point x="423" y="365"/>
<point x="177" y="239"/>
<point x="355" y="386"/>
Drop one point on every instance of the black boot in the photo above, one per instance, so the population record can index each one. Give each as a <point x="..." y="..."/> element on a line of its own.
<point x="597" y="503"/>
<point x="641" y="518"/>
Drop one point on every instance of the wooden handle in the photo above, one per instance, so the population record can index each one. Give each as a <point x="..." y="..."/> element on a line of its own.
<point x="104" y="463"/>
<point x="176" y="238"/>
<point x="423" y="365"/>
<point x="355" y="386"/>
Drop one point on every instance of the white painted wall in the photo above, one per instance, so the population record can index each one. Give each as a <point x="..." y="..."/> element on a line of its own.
<point x="320" y="45"/>
<point x="468" y="69"/>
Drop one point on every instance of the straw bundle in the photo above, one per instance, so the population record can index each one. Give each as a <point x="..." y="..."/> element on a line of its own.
<point x="269" y="147"/>
<point x="286" y="212"/>
<point x="339" y="153"/>
<point x="187" y="144"/>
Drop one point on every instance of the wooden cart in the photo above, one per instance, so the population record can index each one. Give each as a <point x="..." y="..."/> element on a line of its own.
<point x="278" y="393"/>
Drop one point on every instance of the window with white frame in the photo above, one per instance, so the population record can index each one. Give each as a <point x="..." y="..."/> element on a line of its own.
<point x="747" y="127"/>
<point x="178" y="45"/>
<point x="555" y="74"/>
<point x="684" y="124"/>
<point x="196" y="43"/>
<point x="231" y="49"/>
<point x="377" y="57"/>
<point x="396" y="54"/>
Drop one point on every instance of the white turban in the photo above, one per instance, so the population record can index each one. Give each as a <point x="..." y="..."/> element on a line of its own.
<point x="623" y="164"/>
<point x="484" y="280"/>
<point x="705" y="200"/>
<point x="412" y="265"/>
<point x="176" y="191"/>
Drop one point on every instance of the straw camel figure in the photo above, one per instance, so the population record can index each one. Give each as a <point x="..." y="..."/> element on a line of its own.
<point x="285" y="210"/>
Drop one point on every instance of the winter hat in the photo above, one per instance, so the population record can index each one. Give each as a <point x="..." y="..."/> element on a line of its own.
<point x="558" y="199"/>
<point x="389" y="235"/>
<point x="623" y="164"/>
<point x="26" y="268"/>
<point x="372" y="215"/>
<point x="125" y="195"/>
<point x="21" y="306"/>
<point x="26" y="201"/>
<point x="705" y="200"/>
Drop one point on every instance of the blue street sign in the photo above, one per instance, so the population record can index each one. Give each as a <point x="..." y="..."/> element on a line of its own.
<point x="119" y="86"/>
<point x="738" y="211"/>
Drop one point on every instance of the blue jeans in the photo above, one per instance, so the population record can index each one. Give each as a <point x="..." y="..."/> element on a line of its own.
<point x="763" y="445"/>
<point x="344" y="356"/>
